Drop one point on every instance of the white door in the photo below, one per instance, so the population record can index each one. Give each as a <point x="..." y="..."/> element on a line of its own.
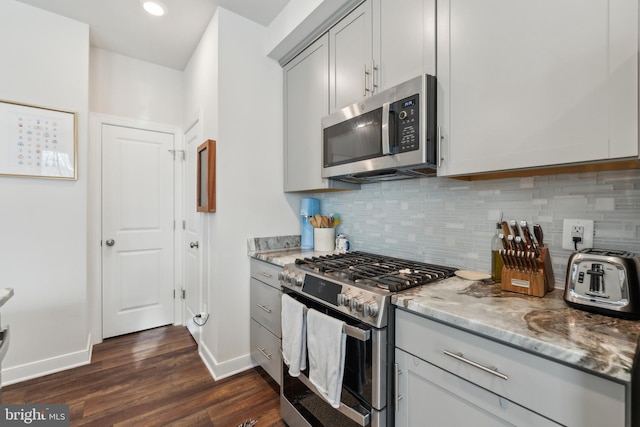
<point x="191" y="245"/>
<point x="137" y="229"/>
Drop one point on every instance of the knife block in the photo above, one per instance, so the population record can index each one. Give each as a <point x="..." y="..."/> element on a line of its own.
<point x="528" y="282"/>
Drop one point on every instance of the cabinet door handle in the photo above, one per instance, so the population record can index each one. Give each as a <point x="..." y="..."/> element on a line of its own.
<point x="267" y="309"/>
<point x="366" y="74"/>
<point x="267" y="275"/>
<point x="461" y="358"/>
<point x="396" y="384"/>
<point x="374" y="86"/>
<point x="264" y="353"/>
<point x="439" y="142"/>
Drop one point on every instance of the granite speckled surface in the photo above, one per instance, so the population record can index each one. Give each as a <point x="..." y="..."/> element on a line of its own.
<point x="5" y="295"/>
<point x="544" y="326"/>
<point x="280" y="250"/>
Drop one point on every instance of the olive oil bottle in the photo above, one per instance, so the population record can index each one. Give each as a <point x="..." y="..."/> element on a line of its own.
<point x="496" y="259"/>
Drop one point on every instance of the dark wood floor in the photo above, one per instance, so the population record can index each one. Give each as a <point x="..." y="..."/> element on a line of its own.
<point x="153" y="378"/>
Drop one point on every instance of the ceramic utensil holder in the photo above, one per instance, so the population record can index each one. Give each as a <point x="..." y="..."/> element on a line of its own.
<point x="324" y="239"/>
<point x="534" y="283"/>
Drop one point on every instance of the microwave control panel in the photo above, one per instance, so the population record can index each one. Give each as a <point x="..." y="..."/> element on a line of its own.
<point x="407" y="124"/>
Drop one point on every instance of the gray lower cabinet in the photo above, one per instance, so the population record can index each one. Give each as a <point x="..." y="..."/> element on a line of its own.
<point x="450" y="377"/>
<point x="430" y="396"/>
<point x="265" y="333"/>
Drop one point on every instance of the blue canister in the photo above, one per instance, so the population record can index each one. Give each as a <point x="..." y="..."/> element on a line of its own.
<point x="308" y="208"/>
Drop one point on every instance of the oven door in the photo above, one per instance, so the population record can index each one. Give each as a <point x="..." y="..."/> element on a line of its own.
<point x="363" y="397"/>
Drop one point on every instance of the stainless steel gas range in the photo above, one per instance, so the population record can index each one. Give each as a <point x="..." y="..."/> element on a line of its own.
<point x="355" y="287"/>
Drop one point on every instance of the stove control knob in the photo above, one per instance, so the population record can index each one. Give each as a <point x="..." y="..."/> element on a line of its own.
<point x="282" y="275"/>
<point x="344" y="298"/>
<point x="356" y="304"/>
<point x="297" y="280"/>
<point x="371" y="309"/>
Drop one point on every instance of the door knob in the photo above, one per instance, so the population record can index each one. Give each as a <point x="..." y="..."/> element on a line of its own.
<point x="194" y="245"/>
<point x="110" y="242"/>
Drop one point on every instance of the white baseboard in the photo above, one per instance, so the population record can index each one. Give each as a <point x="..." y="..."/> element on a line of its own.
<point x="39" y="368"/>
<point x="226" y="369"/>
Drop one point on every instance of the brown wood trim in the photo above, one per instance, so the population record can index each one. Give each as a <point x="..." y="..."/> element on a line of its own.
<point x="554" y="170"/>
<point x="208" y="149"/>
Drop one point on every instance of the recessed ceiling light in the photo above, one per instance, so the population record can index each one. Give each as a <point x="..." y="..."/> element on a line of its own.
<point x="154" y="8"/>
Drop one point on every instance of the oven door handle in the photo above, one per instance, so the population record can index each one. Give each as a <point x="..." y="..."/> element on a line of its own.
<point x="352" y="414"/>
<point x="352" y="331"/>
<point x="357" y="333"/>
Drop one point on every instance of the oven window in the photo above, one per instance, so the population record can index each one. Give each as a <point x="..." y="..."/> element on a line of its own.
<point x="315" y="410"/>
<point x="359" y="138"/>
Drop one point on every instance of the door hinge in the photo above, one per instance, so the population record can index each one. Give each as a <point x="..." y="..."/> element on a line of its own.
<point x="178" y="151"/>
<point x="184" y="224"/>
<point x="183" y="294"/>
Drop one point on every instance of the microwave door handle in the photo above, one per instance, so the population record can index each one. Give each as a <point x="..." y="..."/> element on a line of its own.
<point x="386" y="130"/>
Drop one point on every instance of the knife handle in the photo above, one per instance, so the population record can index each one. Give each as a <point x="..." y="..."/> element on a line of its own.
<point x="526" y="233"/>
<point x="537" y="231"/>
<point x="513" y="226"/>
<point x="505" y="228"/>
<point x="505" y="244"/>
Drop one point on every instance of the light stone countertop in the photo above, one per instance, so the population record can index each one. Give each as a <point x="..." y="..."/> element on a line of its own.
<point x="5" y="295"/>
<point x="546" y="326"/>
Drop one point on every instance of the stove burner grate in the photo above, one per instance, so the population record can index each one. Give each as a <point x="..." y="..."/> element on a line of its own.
<point x="392" y="274"/>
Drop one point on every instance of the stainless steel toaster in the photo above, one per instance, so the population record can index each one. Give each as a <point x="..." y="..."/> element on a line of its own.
<point x="604" y="281"/>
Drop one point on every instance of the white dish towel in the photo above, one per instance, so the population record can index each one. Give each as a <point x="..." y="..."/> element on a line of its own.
<point x="294" y="335"/>
<point x="326" y="344"/>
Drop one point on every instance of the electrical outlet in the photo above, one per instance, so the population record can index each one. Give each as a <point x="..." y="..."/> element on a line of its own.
<point x="577" y="228"/>
<point x="577" y="231"/>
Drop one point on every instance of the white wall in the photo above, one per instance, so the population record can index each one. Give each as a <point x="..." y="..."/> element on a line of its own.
<point x="239" y="91"/>
<point x="128" y="92"/>
<point x="43" y="242"/>
<point x="128" y="87"/>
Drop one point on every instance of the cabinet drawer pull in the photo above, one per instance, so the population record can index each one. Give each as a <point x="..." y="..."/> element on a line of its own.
<point x="396" y="385"/>
<point x="262" y="273"/>
<point x="264" y="353"/>
<point x="267" y="309"/>
<point x="461" y="358"/>
<point x="439" y="146"/>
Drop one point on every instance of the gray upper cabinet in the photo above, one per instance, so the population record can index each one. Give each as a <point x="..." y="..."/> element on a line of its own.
<point x="306" y="101"/>
<point x="378" y="45"/>
<point x="406" y="35"/>
<point x="527" y="84"/>
<point x="352" y="72"/>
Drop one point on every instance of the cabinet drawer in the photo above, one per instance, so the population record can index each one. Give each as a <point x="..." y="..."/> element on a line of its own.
<point x="266" y="304"/>
<point x="265" y="350"/>
<point x="561" y="393"/>
<point x="432" y="397"/>
<point x="265" y="272"/>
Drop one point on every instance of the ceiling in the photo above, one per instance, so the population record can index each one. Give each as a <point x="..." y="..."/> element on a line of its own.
<point x="122" y="26"/>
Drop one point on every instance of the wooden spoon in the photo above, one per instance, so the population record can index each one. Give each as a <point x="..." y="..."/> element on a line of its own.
<point x="312" y="221"/>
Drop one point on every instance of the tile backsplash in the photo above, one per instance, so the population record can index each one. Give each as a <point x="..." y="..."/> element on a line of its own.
<point x="451" y="222"/>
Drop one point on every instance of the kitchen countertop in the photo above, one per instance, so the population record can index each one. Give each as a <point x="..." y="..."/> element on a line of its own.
<point x="546" y="326"/>
<point x="543" y="326"/>
<point x="5" y="295"/>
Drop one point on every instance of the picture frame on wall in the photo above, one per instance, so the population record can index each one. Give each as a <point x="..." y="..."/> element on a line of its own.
<point x="37" y="142"/>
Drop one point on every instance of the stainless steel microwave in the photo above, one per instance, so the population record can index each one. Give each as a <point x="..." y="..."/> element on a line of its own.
<point x="391" y="135"/>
